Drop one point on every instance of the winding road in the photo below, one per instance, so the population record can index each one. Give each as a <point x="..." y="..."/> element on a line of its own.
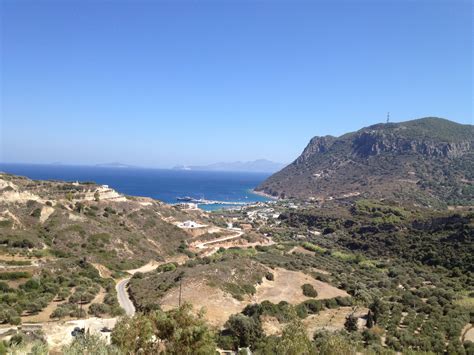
<point x="121" y="286"/>
<point x="123" y="297"/>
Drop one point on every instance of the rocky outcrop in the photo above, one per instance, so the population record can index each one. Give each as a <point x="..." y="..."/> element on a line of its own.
<point x="370" y="143"/>
<point x="316" y="145"/>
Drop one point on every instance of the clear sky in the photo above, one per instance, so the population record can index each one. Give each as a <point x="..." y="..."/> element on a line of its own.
<point x="161" y="83"/>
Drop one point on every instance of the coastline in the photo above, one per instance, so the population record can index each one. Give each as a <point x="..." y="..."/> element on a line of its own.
<point x="263" y="194"/>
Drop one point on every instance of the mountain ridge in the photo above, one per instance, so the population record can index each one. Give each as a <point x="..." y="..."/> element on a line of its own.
<point x="428" y="160"/>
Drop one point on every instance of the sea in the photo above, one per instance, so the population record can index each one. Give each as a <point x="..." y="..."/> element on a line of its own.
<point x="161" y="184"/>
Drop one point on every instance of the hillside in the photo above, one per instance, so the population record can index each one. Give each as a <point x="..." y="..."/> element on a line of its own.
<point x="87" y="220"/>
<point x="374" y="275"/>
<point x="429" y="161"/>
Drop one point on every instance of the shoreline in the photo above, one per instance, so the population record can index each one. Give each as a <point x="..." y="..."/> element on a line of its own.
<point x="263" y="194"/>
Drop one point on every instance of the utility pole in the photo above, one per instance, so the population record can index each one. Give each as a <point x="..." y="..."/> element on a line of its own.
<point x="80" y="305"/>
<point x="180" y="287"/>
<point x="388" y="117"/>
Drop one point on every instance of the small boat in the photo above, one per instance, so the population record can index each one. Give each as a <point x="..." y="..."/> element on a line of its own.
<point x="185" y="199"/>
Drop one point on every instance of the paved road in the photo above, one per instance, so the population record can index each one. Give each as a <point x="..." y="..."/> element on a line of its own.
<point x="123" y="298"/>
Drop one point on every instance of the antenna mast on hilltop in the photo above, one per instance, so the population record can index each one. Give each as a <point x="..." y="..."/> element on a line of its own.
<point x="388" y="117"/>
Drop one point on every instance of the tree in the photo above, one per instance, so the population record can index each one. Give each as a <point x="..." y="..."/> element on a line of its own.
<point x="370" y="320"/>
<point x="294" y="340"/>
<point x="247" y="330"/>
<point x="184" y="333"/>
<point x="377" y="308"/>
<point x="134" y="334"/>
<point x="331" y="344"/>
<point x="351" y="323"/>
<point x="178" y="331"/>
<point x="90" y="344"/>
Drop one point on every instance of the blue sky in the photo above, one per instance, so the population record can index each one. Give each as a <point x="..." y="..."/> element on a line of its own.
<point x="160" y="83"/>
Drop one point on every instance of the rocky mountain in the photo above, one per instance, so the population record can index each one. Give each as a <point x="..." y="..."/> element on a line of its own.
<point x="429" y="161"/>
<point x="256" y="166"/>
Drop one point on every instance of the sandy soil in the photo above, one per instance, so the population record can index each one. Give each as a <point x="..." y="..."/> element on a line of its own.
<point x="330" y="319"/>
<point x="271" y="326"/>
<point x="77" y="218"/>
<point x="18" y="197"/>
<point x="46" y="211"/>
<point x="58" y="334"/>
<point x="104" y="272"/>
<point x="153" y="264"/>
<point x="218" y="305"/>
<point x="43" y="316"/>
<point x="99" y="298"/>
<point x="467" y="333"/>
<point x="241" y="243"/>
<point x="287" y="287"/>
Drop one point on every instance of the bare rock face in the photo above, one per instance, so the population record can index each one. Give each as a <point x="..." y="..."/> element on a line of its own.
<point x="370" y="143"/>
<point x="316" y="145"/>
<point x="429" y="160"/>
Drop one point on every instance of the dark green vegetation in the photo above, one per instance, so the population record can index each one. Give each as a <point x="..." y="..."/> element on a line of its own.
<point x="309" y="291"/>
<point x="429" y="161"/>
<point x="412" y="268"/>
<point x="67" y="282"/>
<point x="179" y="332"/>
<point x="381" y="229"/>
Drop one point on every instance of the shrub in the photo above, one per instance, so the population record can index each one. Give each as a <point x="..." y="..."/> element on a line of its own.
<point x="309" y="291"/>
<point x="269" y="276"/>
<point x="246" y="329"/>
<point x="313" y="247"/>
<point x="166" y="267"/>
<point x="36" y="213"/>
<point x="343" y="301"/>
<point x="351" y="323"/>
<point x="14" y="275"/>
<point x="301" y="311"/>
<point x="331" y="303"/>
<point x="313" y="306"/>
<point x="99" y="309"/>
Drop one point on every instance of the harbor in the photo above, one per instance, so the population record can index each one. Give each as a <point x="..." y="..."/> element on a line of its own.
<point x="202" y="201"/>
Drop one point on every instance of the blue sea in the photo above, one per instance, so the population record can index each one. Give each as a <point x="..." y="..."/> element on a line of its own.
<point x="161" y="184"/>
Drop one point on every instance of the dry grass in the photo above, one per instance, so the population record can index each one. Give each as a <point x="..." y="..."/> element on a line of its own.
<point x="218" y="305"/>
<point x="287" y="287"/>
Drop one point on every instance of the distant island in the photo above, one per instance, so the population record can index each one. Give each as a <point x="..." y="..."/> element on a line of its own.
<point x="114" y="165"/>
<point x="257" y="166"/>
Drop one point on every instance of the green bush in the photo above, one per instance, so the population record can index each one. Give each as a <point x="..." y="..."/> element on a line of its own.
<point x="166" y="267"/>
<point x="313" y="306"/>
<point x="309" y="291"/>
<point x="14" y="275"/>
<point x="99" y="309"/>
<point x="313" y="247"/>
